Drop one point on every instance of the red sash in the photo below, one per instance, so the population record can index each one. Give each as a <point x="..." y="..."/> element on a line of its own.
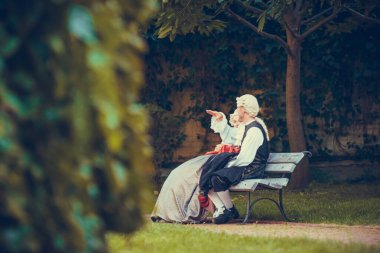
<point x="224" y="149"/>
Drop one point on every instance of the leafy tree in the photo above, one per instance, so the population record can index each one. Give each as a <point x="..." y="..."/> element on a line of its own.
<point x="292" y="21"/>
<point x="73" y="145"/>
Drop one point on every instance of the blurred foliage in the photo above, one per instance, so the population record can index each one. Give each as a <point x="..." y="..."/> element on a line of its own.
<point x="181" y="17"/>
<point x="339" y="64"/>
<point x="73" y="144"/>
<point x="165" y="128"/>
<point x="342" y="90"/>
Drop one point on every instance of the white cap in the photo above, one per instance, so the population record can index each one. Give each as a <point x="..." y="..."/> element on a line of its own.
<point x="250" y="104"/>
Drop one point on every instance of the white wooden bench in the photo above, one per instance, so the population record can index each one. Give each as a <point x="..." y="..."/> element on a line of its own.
<point x="277" y="175"/>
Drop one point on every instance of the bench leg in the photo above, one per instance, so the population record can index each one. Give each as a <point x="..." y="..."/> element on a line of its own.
<point x="248" y="208"/>
<point x="281" y="207"/>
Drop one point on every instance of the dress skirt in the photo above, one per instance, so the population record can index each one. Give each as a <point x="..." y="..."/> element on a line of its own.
<point x="178" y="198"/>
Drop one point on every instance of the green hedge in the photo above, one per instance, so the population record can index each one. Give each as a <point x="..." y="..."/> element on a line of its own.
<point x="74" y="150"/>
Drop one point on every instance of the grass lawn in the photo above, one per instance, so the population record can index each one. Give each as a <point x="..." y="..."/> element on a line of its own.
<point x="320" y="203"/>
<point x="170" y="238"/>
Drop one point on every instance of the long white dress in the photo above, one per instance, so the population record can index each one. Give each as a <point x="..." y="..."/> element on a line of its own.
<point x="178" y="198"/>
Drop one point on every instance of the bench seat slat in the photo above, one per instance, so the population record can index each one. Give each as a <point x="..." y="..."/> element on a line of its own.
<point x="280" y="168"/>
<point x="251" y="184"/>
<point x="285" y="157"/>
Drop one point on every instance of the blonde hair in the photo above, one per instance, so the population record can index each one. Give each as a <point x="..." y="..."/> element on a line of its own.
<point x="261" y="122"/>
<point x="234" y="114"/>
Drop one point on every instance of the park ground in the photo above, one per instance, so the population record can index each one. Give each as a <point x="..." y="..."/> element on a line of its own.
<point x="362" y="234"/>
<point x="329" y="218"/>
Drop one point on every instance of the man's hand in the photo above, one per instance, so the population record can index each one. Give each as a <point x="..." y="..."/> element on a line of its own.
<point x="218" y="116"/>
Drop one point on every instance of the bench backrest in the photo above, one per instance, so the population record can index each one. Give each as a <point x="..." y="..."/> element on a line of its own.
<point x="284" y="163"/>
<point x="279" y="169"/>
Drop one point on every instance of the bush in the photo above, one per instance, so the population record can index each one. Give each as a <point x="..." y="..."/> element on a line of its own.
<point x="73" y="144"/>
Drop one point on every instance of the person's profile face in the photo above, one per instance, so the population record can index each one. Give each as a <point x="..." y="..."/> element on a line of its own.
<point x="235" y="121"/>
<point x="240" y="111"/>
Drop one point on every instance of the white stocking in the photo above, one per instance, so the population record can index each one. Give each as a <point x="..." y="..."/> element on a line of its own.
<point x="225" y="198"/>
<point x="215" y="199"/>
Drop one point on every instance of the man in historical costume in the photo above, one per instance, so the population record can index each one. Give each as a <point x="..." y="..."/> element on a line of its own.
<point x="223" y="171"/>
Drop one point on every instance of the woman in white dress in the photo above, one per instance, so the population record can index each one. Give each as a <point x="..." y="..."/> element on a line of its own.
<point x="178" y="198"/>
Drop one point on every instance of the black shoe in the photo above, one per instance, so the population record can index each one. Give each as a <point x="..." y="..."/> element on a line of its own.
<point x="224" y="215"/>
<point x="235" y="213"/>
<point x="156" y="218"/>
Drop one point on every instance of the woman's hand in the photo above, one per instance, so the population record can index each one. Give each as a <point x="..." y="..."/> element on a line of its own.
<point x="218" y="116"/>
<point x="218" y="147"/>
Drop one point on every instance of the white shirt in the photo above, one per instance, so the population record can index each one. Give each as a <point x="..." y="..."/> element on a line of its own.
<point x="251" y="143"/>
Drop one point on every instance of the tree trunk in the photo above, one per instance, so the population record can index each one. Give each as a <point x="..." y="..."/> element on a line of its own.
<point x="300" y="177"/>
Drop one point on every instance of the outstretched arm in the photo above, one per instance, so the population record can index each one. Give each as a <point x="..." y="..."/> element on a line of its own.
<point x="218" y="116"/>
<point x="219" y="125"/>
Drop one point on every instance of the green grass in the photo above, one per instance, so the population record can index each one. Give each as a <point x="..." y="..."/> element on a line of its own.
<point x="321" y="203"/>
<point x="168" y="238"/>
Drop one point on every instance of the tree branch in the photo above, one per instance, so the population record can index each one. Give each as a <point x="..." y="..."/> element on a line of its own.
<point x="184" y="8"/>
<point x="305" y="22"/>
<point x="320" y="23"/>
<point x="295" y="35"/>
<point x="256" y="30"/>
<point x="299" y="4"/>
<point x="364" y="17"/>
<point x="263" y="4"/>
<point x="249" y="7"/>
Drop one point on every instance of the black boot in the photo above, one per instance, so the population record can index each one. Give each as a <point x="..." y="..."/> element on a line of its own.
<point x="224" y="216"/>
<point x="235" y="212"/>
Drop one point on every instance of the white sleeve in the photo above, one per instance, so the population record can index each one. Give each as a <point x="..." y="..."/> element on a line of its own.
<point x="239" y="134"/>
<point x="218" y="126"/>
<point x="226" y="132"/>
<point x="252" y="141"/>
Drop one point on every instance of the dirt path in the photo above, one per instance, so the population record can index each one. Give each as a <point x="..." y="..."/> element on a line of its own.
<point x="368" y="235"/>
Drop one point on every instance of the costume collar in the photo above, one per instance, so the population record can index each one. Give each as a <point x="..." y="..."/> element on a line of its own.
<point x="249" y="122"/>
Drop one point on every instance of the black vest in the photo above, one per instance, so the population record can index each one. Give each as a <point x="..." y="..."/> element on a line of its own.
<point x="256" y="168"/>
